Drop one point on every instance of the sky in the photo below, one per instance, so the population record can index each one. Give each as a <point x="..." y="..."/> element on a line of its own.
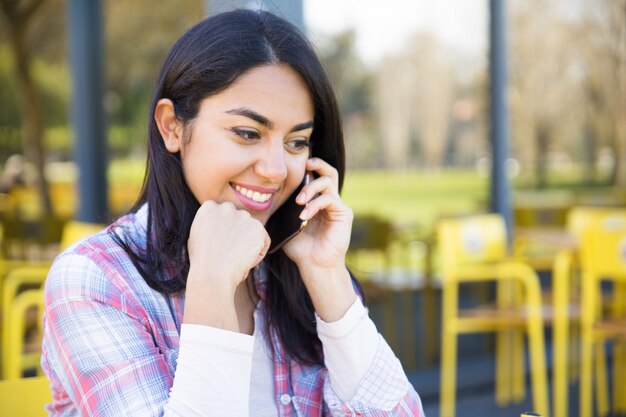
<point x="383" y="26"/>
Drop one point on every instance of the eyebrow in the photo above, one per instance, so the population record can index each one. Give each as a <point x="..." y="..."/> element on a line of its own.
<point x="242" y="111"/>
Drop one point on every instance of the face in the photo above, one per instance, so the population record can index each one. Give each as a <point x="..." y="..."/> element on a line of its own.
<point x="249" y="144"/>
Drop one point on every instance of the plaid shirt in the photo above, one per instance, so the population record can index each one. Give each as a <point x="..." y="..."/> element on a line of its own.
<point x="111" y="344"/>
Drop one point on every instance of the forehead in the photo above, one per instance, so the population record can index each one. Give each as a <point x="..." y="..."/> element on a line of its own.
<point x="276" y="91"/>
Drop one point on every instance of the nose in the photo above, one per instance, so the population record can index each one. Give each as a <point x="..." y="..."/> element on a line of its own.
<point x="271" y="164"/>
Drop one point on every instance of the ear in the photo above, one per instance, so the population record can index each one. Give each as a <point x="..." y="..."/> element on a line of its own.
<point x="170" y="127"/>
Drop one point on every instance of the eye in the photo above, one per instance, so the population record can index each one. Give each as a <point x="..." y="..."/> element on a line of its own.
<point x="298" y="145"/>
<point x="248" y="135"/>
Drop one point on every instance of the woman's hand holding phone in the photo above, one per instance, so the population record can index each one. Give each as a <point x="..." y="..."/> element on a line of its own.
<point x="320" y="248"/>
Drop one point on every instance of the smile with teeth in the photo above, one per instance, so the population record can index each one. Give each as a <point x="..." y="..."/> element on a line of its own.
<point x="253" y="195"/>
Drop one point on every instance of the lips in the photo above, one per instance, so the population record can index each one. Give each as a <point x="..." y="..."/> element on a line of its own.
<point x="254" y="198"/>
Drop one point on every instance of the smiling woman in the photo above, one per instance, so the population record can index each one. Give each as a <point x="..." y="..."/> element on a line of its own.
<point x="179" y="308"/>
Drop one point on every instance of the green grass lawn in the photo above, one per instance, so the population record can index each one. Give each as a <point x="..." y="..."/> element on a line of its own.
<point x="414" y="199"/>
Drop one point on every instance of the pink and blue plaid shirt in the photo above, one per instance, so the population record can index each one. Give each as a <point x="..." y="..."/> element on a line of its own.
<point x="111" y="344"/>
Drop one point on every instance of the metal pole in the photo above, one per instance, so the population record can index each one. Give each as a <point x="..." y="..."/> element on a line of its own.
<point x="86" y="46"/>
<point x="499" y="111"/>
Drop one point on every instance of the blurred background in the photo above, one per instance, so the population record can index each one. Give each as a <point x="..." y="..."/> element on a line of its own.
<point x="412" y="79"/>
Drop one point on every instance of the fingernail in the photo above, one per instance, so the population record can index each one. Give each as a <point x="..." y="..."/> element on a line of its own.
<point x="301" y="198"/>
<point x="303" y="214"/>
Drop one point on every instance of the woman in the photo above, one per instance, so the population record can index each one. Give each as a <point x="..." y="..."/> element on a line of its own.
<point x="178" y="308"/>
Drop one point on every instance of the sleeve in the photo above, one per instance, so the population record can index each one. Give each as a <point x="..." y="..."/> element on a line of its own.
<point x="364" y="376"/>
<point x="100" y="352"/>
<point x="213" y="373"/>
<point x="349" y="346"/>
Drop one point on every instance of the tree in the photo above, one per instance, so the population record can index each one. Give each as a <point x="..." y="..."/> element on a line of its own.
<point x="16" y="17"/>
<point x="352" y="82"/>
<point x="604" y="62"/>
<point x="415" y="94"/>
<point x="545" y="97"/>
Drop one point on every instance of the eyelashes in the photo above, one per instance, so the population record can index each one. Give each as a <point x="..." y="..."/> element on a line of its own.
<point x="246" y="134"/>
<point x="251" y="136"/>
<point x="299" y="145"/>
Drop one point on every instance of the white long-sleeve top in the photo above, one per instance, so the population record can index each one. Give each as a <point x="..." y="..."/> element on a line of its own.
<point x="240" y="366"/>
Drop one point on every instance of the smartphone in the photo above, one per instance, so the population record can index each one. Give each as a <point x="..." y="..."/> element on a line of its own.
<point x="286" y="223"/>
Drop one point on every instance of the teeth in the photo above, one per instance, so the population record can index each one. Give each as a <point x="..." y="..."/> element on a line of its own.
<point x="253" y="195"/>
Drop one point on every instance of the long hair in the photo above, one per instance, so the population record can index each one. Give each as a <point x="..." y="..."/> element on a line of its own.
<point x="206" y="60"/>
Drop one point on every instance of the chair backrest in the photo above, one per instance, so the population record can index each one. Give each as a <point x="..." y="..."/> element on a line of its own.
<point x="579" y="219"/>
<point x="474" y="239"/>
<point x="20" y="276"/>
<point x="74" y="230"/>
<point x="603" y="249"/>
<point x="25" y="396"/>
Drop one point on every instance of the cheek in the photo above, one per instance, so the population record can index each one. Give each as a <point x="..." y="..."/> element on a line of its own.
<point x="296" y="174"/>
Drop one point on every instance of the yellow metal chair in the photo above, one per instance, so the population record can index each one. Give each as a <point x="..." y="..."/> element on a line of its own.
<point x="16" y="358"/>
<point x="473" y="249"/>
<point x="603" y="259"/>
<point x="566" y="301"/>
<point x="14" y="322"/>
<point x="25" y="397"/>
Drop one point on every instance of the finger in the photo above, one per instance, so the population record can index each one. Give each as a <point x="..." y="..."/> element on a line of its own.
<point x="324" y="169"/>
<point x="326" y="202"/>
<point x="321" y="185"/>
<point x="264" y="239"/>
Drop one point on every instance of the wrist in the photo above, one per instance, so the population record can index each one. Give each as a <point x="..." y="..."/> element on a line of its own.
<point x="331" y="291"/>
<point x="210" y="302"/>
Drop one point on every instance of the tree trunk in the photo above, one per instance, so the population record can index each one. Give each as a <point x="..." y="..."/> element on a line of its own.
<point x="31" y="108"/>
<point x="618" y="177"/>
<point x="542" y="135"/>
<point x="590" y="153"/>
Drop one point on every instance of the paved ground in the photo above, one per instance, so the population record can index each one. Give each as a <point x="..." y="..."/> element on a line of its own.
<point x="475" y="395"/>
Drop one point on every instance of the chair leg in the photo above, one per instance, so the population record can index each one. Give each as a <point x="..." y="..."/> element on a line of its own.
<point x="619" y="354"/>
<point x="449" y="352"/>
<point x="560" y="327"/>
<point x="574" y="349"/>
<point x="602" y="391"/>
<point x="518" y="380"/>
<point x="538" y="363"/>
<point x="619" y="376"/>
<point x="503" y="367"/>
<point x="616" y="391"/>
<point x="622" y="381"/>
<point x="587" y="346"/>
<point x="560" y="365"/>
<point x="505" y="355"/>
<point x="586" y="380"/>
